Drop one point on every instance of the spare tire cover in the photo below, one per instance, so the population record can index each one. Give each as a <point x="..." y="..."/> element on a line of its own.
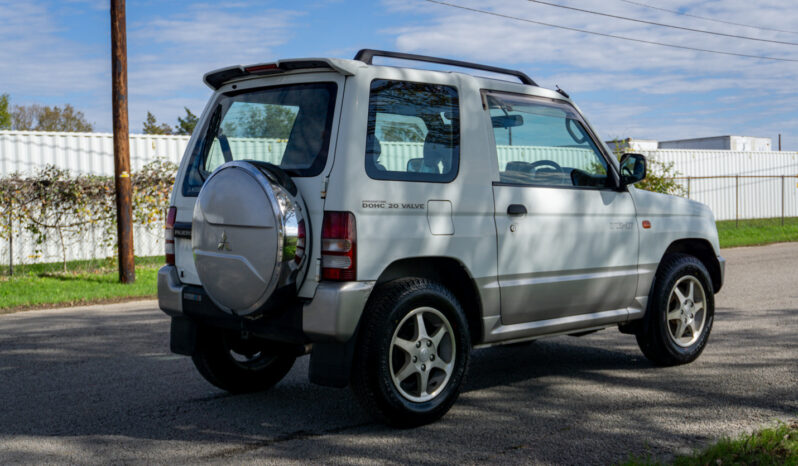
<point x="244" y="236"/>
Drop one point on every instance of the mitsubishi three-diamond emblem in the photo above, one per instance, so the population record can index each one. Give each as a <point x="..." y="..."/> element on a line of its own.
<point x="223" y="245"/>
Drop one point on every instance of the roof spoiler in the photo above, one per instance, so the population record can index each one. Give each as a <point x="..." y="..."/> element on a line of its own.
<point x="217" y="78"/>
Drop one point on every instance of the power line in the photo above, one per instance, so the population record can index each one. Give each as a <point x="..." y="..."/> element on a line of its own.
<point x="677" y="12"/>
<point x="653" y="23"/>
<point x="632" y="39"/>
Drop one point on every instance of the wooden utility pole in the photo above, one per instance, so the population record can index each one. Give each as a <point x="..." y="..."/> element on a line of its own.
<point x="124" y="210"/>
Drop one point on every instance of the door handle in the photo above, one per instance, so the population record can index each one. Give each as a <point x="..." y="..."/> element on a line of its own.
<point x="515" y="210"/>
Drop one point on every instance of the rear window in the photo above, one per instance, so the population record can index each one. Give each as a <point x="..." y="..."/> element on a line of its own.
<point x="288" y="126"/>
<point x="413" y="131"/>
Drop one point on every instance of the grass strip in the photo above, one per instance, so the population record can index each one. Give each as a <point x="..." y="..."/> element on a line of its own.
<point x="84" y="282"/>
<point x="771" y="446"/>
<point x="755" y="232"/>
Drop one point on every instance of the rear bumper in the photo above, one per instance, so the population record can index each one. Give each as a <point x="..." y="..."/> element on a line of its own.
<point x="335" y="310"/>
<point x="170" y="291"/>
<point x="332" y="315"/>
<point x="722" y="268"/>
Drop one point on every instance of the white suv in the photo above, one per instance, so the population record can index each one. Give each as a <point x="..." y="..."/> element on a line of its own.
<point x="387" y="220"/>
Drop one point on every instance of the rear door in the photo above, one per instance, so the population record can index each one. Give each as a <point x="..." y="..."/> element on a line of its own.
<point x="287" y="120"/>
<point x="567" y="243"/>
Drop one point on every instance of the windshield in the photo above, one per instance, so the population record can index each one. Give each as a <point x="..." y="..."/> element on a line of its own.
<point x="288" y="126"/>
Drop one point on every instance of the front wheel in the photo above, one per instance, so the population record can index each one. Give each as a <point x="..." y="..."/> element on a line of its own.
<point x="412" y="353"/>
<point x="240" y="365"/>
<point x="680" y="312"/>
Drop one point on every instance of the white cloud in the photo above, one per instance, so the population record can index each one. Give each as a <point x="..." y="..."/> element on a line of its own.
<point x="35" y="60"/>
<point x="181" y="48"/>
<point x="618" y="69"/>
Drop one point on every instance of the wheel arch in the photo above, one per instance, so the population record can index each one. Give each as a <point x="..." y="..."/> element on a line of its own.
<point x="702" y="250"/>
<point x="449" y="272"/>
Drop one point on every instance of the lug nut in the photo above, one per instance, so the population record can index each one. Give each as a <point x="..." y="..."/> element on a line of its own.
<point x="429" y="343"/>
<point x="415" y="359"/>
<point x="418" y="344"/>
<point x="431" y="357"/>
<point x="423" y="367"/>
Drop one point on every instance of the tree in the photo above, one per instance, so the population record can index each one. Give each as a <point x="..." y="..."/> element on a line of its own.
<point x="45" y="118"/>
<point x="5" y="115"/>
<point x="264" y="121"/>
<point x="23" y="118"/>
<point x="151" y="126"/>
<point x="659" y="175"/>
<point x="66" y="119"/>
<point x="186" y="125"/>
<point x="402" y="133"/>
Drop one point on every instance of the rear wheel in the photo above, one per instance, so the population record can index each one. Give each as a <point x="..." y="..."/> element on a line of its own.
<point x="680" y="312"/>
<point x="240" y="365"/>
<point x="412" y="353"/>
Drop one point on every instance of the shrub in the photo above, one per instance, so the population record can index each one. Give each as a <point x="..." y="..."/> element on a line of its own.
<point x="54" y="201"/>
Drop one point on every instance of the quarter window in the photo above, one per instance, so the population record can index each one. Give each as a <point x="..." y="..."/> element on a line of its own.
<point x="543" y="143"/>
<point x="413" y="131"/>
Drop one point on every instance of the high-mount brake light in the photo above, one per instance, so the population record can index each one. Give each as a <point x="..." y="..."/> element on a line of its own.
<point x="339" y="246"/>
<point x="256" y="68"/>
<point x="169" y="235"/>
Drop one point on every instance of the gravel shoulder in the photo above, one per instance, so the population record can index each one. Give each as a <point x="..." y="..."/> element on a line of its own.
<point x="97" y="384"/>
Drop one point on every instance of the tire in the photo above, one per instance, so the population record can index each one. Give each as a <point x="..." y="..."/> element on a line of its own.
<point x="386" y="380"/>
<point x="239" y="366"/>
<point x="678" y="322"/>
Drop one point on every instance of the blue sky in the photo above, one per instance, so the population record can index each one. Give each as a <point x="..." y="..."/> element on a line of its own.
<point x="57" y="52"/>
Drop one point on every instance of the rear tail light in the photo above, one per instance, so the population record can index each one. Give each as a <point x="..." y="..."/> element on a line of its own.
<point x="169" y="235"/>
<point x="338" y="246"/>
<point x="300" y="242"/>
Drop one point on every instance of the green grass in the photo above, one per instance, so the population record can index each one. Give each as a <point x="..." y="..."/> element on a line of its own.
<point x="46" y="285"/>
<point x="757" y="231"/>
<point x="772" y="446"/>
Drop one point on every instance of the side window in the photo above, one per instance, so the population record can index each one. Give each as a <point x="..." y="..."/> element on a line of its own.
<point x="543" y="144"/>
<point x="413" y="132"/>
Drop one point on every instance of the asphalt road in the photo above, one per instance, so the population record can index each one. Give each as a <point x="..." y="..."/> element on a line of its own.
<point x="98" y="385"/>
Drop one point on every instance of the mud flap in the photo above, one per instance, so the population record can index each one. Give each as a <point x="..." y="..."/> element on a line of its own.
<point x="183" y="336"/>
<point x="331" y="363"/>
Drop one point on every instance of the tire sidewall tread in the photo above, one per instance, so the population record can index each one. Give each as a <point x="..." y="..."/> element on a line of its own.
<point x="371" y="379"/>
<point x="653" y="337"/>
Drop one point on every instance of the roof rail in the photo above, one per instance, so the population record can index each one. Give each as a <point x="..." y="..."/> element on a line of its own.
<point x="366" y="56"/>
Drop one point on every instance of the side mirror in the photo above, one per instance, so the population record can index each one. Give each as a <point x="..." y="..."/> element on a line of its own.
<point x="633" y="168"/>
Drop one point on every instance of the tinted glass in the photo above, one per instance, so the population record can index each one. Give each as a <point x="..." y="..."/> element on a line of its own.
<point x="413" y="131"/>
<point x="288" y="126"/>
<point x="540" y="143"/>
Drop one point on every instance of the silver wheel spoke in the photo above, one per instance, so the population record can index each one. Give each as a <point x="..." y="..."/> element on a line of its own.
<point x="679" y="294"/>
<point x="679" y="330"/>
<point x="406" y="345"/>
<point x="692" y="292"/>
<point x="423" y="382"/>
<point x="422" y="328"/>
<point x="698" y="307"/>
<point x="694" y="327"/>
<point x="674" y="315"/>
<point x="436" y="339"/>
<point x="406" y="371"/>
<point x="443" y="365"/>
